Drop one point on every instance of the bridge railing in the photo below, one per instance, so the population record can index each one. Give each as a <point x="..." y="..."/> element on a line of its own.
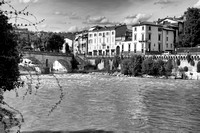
<point x="46" y="53"/>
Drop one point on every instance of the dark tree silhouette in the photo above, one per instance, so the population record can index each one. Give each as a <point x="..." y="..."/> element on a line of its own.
<point x="55" y="43"/>
<point x="191" y="36"/>
<point x="9" y="56"/>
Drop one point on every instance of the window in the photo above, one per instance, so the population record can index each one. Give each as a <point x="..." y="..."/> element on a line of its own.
<point x="159" y="29"/>
<point x="167" y="32"/>
<point x="103" y="34"/>
<point x="122" y="47"/>
<point x="159" y="37"/>
<point x="167" y="38"/>
<point x="100" y="34"/>
<point x="90" y="53"/>
<point x="171" y="45"/>
<point x="129" y="47"/>
<point x="142" y="27"/>
<point x="135" y="28"/>
<point x="107" y="47"/>
<point x="142" y="37"/>
<point x="135" y="37"/>
<point x="149" y="28"/>
<point x="95" y="34"/>
<point x="149" y="36"/>
<point x="90" y="35"/>
<point x="142" y="48"/>
<point x="113" y="33"/>
<point x="135" y="45"/>
<point x="100" y="52"/>
<point x="107" y="33"/>
<point x="166" y="45"/>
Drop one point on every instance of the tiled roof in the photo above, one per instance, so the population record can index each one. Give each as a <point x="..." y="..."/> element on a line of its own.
<point x="108" y="28"/>
<point x="146" y="23"/>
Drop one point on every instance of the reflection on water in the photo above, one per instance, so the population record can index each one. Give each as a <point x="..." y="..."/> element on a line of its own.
<point x="113" y="104"/>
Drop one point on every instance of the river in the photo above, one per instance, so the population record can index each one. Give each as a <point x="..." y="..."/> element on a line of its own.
<point x="118" y="104"/>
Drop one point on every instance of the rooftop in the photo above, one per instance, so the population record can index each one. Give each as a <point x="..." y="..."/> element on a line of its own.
<point x="147" y="23"/>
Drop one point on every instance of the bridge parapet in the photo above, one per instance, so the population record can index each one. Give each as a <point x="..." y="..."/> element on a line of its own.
<point x="181" y="57"/>
<point x="47" y="58"/>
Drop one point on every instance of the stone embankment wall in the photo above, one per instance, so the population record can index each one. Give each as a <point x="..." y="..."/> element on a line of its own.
<point x="192" y="70"/>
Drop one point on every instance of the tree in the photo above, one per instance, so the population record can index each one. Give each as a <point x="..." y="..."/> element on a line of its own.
<point x="191" y="36"/>
<point x="55" y="43"/>
<point x="9" y="56"/>
<point x="116" y="62"/>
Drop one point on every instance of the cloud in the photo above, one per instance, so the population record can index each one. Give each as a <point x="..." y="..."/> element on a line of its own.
<point x="75" y="28"/>
<point x="197" y="4"/>
<point x="163" y="2"/>
<point x="28" y="1"/>
<point x="44" y="26"/>
<point x="99" y="20"/>
<point x="133" y="19"/>
<point x="73" y="15"/>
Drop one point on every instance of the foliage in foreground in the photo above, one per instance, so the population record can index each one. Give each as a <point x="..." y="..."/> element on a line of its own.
<point x="9" y="56"/>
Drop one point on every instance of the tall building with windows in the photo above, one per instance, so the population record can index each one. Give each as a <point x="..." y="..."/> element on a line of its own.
<point x="80" y="44"/>
<point x="102" y="41"/>
<point x="151" y="38"/>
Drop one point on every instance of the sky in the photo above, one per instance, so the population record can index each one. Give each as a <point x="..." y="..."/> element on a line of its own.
<point x="76" y="15"/>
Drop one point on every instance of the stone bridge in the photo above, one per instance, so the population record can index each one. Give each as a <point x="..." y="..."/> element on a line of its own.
<point x="47" y="58"/>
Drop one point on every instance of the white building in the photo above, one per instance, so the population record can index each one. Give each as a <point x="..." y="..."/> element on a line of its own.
<point x="80" y="43"/>
<point x="102" y="41"/>
<point x="151" y="38"/>
<point x="68" y="42"/>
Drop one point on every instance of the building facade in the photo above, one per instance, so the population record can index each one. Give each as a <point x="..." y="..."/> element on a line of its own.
<point x="150" y="38"/>
<point x="80" y="44"/>
<point x="104" y="41"/>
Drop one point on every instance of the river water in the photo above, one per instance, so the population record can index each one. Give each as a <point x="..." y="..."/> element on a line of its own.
<point x="118" y="104"/>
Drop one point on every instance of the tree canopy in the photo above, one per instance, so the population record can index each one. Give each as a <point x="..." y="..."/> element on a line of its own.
<point x="9" y="56"/>
<point x="191" y="36"/>
<point x="55" y="43"/>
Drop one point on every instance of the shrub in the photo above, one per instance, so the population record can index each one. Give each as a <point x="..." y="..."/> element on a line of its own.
<point x="178" y="62"/>
<point x="198" y="67"/>
<point x="135" y="65"/>
<point x="147" y="66"/>
<point x="185" y="69"/>
<point x="116" y="62"/>
<point x="154" y="68"/>
<point x="125" y="66"/>
<point x="188" y="57"/>
<point x="192" y="63"/>
<point x="161" y="67"/>
<point x="169" y="66"/>
<point x="107" y="64"/>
